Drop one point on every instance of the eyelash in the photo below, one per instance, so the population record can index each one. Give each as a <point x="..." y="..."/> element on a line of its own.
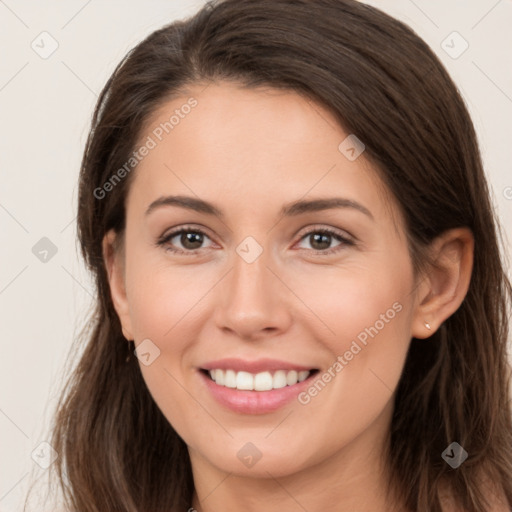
<point x="344" y="241"/>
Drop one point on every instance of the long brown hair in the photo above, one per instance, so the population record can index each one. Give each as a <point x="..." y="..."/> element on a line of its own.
<point x="383" y="83"/>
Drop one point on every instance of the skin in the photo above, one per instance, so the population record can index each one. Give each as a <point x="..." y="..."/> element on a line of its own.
<point x="250" y="151"/>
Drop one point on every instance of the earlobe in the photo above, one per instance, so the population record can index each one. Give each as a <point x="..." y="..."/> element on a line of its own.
<point x="113" y="256"/>
<point x="446" y="281"/>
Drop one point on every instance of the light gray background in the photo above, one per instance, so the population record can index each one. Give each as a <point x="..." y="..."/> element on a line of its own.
<point x="46" y="105"/>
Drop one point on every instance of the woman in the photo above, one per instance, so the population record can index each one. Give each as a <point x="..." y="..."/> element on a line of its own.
<point x="301" y="300"/>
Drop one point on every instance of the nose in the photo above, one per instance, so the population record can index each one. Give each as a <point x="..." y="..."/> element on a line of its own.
<point x="253" y="301"/>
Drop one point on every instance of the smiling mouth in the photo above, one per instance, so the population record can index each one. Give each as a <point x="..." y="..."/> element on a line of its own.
<point x="262" y="381"/>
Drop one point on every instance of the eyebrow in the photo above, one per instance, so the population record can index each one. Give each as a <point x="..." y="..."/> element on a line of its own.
<point x="289" y="210"/>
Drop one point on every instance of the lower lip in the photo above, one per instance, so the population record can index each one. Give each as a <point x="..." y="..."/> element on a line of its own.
<point x="254" y="402"/>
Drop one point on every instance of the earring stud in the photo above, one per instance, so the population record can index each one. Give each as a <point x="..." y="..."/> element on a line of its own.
<point x="427" y="325"/>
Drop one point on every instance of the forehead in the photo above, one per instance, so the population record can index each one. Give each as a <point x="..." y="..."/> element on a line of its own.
<point x="231" y="142"/>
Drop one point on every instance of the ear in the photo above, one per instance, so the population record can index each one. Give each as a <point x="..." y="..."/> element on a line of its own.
<point x="446" y="281"/>
<point x="113" y="255"/>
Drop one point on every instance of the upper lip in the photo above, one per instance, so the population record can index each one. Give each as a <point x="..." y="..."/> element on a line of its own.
<point x="257" y="366"/>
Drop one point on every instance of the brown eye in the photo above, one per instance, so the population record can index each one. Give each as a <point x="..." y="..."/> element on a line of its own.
<point x="321" y="240"/>
<point x="184" y="240"/>
<point x="191" y="240"/>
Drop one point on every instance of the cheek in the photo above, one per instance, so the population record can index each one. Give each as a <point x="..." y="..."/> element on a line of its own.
<point x="165" y="304"/>
<point x="360" y="302"/>
<point x="162" y="296"/>
<point x="367" y="310"/>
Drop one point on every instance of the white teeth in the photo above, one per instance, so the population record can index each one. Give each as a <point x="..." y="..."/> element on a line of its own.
<point x="219" y="377"/>
<point x="230" y="379"/>
<point x="279" y="380"/>
<point x="291" y="378"/>
<point x="244" y="380"/>
<point x="263" y="381"/>
<point x="303" y="376"/>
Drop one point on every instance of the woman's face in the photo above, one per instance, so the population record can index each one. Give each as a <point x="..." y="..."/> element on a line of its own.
<point x="296" y="261"/>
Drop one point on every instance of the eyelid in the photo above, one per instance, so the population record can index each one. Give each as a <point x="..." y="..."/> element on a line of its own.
<point x="185" y="227"/>
<point x="327" y="229"/>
